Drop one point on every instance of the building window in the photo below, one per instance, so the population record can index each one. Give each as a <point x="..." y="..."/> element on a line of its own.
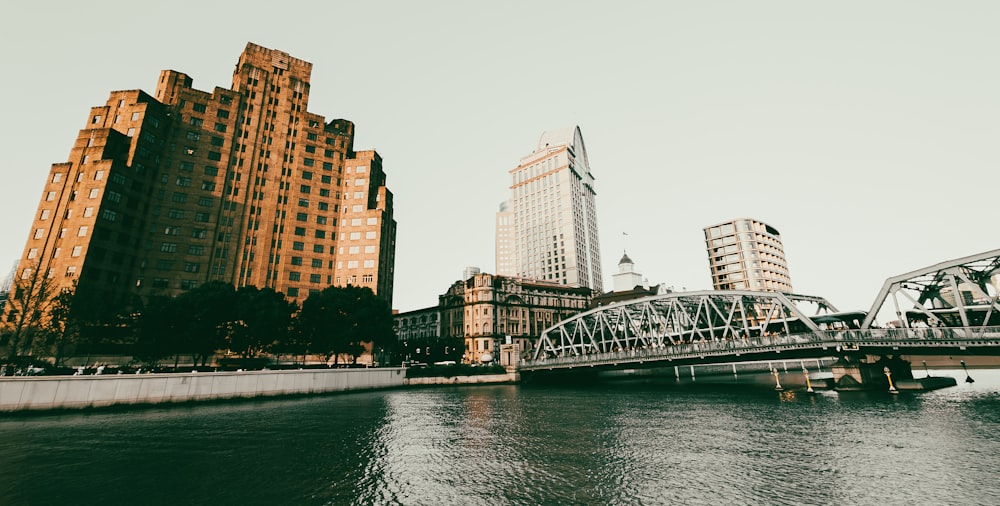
<point x="168" y="247"/>
<point x="201" y="217"/>
<point x="298" y="246"/>
<point x="196" y="122"/>
<point x="183" y="181"/>
<point x="178" y="197"/>
<point x="305" y="188"/>
<point x="314" y="278"/>
<point x="296" y="260"/>
<point x="352" y="264"/>
<point x="177" y="214"/>
<point x="369" y="264"/>
<point x="191" y="267"/>
<point x="94" y="192"/>
<point x="300" y="231"/>
<point x="292" y="292"/>
<point x="220" y="127"/>
<point x="82" y="232"/>
<point x="205" y="201"/>
<point x="317" y="263"/>
<point x="294" y="276"/>
<point x="193" y="136"/>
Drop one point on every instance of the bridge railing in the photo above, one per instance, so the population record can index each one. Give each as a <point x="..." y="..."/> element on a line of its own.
<point x="941" y="336"/>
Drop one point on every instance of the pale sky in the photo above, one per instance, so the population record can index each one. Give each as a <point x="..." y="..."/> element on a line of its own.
<point x="864" y="131"/>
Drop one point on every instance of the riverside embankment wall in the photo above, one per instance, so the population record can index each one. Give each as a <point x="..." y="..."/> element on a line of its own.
<point x="77" y="392"/>
<point x="464" y="380"/>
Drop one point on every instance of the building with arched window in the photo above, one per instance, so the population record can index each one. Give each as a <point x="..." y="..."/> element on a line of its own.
<point x="485" y="311"/>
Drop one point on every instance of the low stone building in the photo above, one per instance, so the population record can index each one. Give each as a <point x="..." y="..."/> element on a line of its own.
<point x="485" y="311"/>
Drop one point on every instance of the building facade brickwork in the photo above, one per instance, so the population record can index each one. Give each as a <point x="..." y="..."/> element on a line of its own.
<point x="243" y="185"/>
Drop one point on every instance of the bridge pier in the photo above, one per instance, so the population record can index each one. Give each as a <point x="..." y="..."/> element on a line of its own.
<point x="855" y="372"/>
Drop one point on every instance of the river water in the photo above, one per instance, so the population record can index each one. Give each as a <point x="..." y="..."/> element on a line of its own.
<point x="624" y="443"/>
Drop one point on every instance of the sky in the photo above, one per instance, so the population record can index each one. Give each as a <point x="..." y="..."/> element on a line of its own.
<point x="864" y="131"/>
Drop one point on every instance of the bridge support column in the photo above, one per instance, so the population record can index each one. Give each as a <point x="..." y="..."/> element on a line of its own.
<point x="866" y="372"/>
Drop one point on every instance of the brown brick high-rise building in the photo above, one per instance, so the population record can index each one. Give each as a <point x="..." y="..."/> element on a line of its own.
<point x="243" y="185"/>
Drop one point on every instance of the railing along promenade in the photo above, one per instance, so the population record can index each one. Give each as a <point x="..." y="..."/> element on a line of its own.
<point x="814" y="344"/>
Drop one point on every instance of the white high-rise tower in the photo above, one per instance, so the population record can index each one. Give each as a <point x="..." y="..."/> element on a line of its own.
<point x="551" y="215"/>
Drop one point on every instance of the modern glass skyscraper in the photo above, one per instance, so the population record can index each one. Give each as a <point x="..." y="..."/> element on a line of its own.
<point x="551" y="215"/>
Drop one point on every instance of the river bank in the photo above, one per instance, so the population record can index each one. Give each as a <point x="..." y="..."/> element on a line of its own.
<point x="41" y="393"/>
<point x="47" y="393"/>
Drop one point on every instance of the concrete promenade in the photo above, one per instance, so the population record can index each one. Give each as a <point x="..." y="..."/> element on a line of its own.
<point x="78" y="392"/>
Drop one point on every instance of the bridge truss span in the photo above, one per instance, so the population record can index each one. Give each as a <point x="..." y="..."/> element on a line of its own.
<point x="681" y="318"/>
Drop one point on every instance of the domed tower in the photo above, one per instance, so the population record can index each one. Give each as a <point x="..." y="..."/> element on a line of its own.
<point x="626" y="278"/>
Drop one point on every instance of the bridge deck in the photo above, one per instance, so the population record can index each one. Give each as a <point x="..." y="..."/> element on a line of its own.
<point x="918" y="341"/>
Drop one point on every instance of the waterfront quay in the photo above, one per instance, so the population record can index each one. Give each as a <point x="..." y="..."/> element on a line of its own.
<point x="44" y="393"/>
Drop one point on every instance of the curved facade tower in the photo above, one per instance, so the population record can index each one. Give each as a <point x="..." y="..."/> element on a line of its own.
<point x="551" y="216"/>
<point x="746" y="254"/>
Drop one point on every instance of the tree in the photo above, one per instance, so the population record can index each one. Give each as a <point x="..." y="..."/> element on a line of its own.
<point x="158" y="326"/>
<point x="262" y="318"/>
<point x="27" y="307"/>
<point x="338" y="320"/>
<point x="208" y="311"/>
<point x="61" y="326"/>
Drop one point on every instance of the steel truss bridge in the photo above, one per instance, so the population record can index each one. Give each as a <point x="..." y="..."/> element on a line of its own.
<point x="951" y="308"/>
